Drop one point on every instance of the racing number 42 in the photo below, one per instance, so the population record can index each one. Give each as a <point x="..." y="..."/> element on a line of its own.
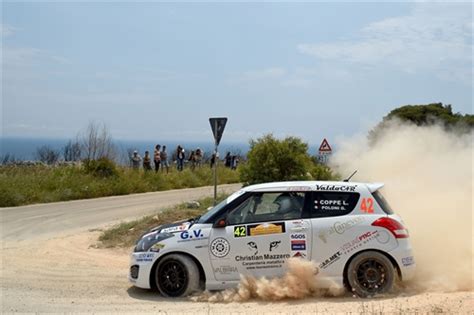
<point x="367" y="205"/>
<point x="240" y="231"/>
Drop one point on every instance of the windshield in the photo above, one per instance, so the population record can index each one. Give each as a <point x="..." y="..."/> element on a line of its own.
<point x="213" y="211"/>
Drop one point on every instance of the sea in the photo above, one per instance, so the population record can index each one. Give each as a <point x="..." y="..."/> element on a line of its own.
<point x="25" y="148"/>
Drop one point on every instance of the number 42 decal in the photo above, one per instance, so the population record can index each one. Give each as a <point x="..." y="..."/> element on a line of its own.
<point x="367" y="205"/>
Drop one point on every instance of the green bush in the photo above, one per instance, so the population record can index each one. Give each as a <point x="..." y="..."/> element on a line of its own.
<point x="270" y="159"/>
<point x="102" y="167"/>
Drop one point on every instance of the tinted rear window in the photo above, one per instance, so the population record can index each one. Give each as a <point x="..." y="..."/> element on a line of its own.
<point x="382" y="202"/>
<point x="328" y="204"/>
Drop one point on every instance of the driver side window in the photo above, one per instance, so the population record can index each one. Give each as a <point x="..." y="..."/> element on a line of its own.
<point x="260" y="207"/>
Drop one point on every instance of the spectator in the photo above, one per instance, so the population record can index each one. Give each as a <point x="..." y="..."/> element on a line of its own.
<point x="228" y="160"/>
<point x="235" y="162"/>
<point x="136" y="159"/>
<point x="180" y="158"/>
<point x="213" y="160"/>
<point x="147" y="161"/>
<point x="198" y="157"/>
<point x="157" y="157"/>
<point x="192" y="160"/>
<point x="164" y="160"/>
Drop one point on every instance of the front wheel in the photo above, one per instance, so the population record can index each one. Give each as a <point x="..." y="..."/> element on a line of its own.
<point x="370" y="273"/>
<point x="177" y="275"/>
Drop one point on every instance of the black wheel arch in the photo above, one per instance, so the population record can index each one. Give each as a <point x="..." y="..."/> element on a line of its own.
<point x="390" y="257"/>
<point x="202" y="274"/>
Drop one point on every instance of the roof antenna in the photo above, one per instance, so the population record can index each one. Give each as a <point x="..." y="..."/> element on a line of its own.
<point x="349" y="178"/>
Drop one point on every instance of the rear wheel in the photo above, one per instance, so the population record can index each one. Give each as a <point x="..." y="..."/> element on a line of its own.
<point x="177" y="275"/>
<point x="370" y="273"/>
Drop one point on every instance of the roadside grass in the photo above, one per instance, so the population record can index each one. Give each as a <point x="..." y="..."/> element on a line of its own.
<point x="23" y="185"/>
<point x="127" y="233"/>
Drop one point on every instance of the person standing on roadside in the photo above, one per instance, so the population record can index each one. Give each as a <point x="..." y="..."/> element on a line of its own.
<point x="198" y="157"/>
<point x="192" y="160"/>
<point x="136" y="159"/>
<point x="147" y="161"/>
<point x="164" y="159"/>
<point x="180" y="158"/>
<point x="157" y="157"/>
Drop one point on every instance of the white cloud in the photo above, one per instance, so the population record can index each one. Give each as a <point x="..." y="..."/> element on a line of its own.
<point x="433" y="37"/>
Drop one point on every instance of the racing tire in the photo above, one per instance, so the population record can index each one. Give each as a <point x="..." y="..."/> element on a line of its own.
<point x="370" y="273"/>
<point x="177" y="275"/>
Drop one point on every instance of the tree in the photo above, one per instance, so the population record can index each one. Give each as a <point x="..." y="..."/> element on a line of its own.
<point x="72" y="151"/>
<point x="47" y="155"/>
<point x="270" y="159"/>
<point x="96" y="142"/>
<point x="425" y="115"/>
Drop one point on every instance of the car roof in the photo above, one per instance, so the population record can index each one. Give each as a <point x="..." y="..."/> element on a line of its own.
<point x="309" y="185"/>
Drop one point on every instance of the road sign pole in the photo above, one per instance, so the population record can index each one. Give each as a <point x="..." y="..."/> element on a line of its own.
<point x="215" y="168"/>
<point x="217" y="125"/>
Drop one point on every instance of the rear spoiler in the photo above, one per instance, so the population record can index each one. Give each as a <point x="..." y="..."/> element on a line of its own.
<point x="373" y="187"/>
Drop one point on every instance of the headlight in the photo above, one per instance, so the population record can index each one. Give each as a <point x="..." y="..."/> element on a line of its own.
<point x="147" y="241"/>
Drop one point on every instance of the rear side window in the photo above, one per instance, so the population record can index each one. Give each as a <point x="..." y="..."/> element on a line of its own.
<point x="382" y="202"/>
<point x="329" y="204"/>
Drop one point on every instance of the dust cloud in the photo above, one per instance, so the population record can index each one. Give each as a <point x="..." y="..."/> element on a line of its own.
<point x="428" y="176"/>
<point x="298" y="282"/>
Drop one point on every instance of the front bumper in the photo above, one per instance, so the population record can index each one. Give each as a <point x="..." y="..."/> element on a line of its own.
<point x="141" y="265"/>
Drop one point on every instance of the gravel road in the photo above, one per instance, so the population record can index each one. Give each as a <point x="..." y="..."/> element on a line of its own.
<point x="49" y="264"/>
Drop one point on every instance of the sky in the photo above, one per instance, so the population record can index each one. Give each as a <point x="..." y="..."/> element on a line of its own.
<point x="152" y="71"/>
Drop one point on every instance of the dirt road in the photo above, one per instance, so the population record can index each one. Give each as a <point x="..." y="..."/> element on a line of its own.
<point x="47" y="220"/>
<point x="58" y="270"/>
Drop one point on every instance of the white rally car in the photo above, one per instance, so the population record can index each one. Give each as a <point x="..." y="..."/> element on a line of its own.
<point x="348" y="229"/>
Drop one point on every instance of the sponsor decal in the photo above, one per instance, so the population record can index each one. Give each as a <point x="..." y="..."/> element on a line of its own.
<point x="339" y="228"/>
<point x="408" y="261"/>
<point x="328" y="262"/>
<point x="220" y="247"/>
<point x="335" y="187"/>
<point x="330" y="205"/>
<point x="266" y="228"/>
<point x="194" y="235"/>
<point x="274" y="244"/>
<point x="240" y="231"/>
<point x="298" y="245"/>
<point x="298" y="223"/>
<point x="172" y="229"/>
<point x="225" y="270"/>
<point x="358" y="242"/>
<point x="157" y="247"/>
<point x="299" y="188"/>
<point x="298" y="236"/>
<point x="145" y="257"/>
<point x="265" y="261"/>
<point x="253" y="246"/>
<point x="299" y="254"/>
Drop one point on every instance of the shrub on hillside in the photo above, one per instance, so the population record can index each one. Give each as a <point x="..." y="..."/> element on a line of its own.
<point x="271" y="159"/>
<point x="102" y="167"/>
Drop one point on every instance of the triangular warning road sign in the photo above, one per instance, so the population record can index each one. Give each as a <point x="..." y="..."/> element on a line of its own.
<point x="217" y="126"/>
<point x="325" y="147"/>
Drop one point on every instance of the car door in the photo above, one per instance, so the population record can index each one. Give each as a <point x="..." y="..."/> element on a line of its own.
<point x="333" y="224"/>
<point x="262" y="232"/>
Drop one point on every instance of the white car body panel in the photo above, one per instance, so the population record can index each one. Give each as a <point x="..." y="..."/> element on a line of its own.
<point x="224" y="254"/>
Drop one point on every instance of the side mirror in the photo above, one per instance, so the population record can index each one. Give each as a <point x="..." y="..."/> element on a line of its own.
<point x="220" y="223"/>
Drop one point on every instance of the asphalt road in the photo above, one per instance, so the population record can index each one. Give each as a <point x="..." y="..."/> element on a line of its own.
<point x="44" y="221"/>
